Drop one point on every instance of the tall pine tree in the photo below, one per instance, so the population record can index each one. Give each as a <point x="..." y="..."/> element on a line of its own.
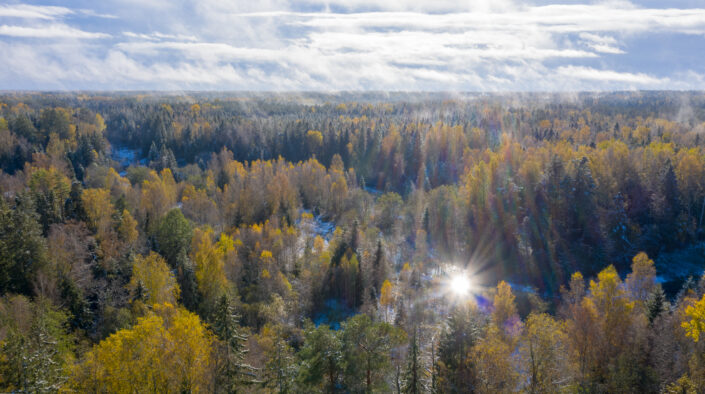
<point x="231" y="370"/>
<point x="413" y="376"/>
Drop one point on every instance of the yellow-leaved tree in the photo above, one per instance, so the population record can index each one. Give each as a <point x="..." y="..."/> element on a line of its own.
<point x="167" y="351"/>
<point x="99" y="209"/>
<point x="386" y="298"/>
<point x="152" y="282"/>
<point x="494" y="363"/>
<point x="612" y="326"/>
<point x="209" y="260"/>
<point x="99" y="212"/>
<point x="158" y="196"/>
<point x="504" y="313"/>
<point x="695" y="326"/>
<point x="642" y="280"/>
<point x="545" y="355"/>
<point x="609" y="299"/>
<point x="127" y="229"/>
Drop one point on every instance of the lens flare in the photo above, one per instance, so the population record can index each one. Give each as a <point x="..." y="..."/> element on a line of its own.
<point x="460" y="284"/>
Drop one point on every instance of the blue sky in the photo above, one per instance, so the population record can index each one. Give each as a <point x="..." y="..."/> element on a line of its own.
<point x="331" y="45"/>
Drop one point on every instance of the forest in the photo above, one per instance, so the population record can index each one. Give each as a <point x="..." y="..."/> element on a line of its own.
<point x="352" y="242"/>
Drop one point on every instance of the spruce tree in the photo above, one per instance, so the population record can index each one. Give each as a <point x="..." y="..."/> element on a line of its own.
<point x="379" y="269"/>
<point x="232" y="371"/>
<point x="656" y="304"/>
<point x="413" y="376"/>
<point x="23" y="250"/>
<point x="454" y="369"/>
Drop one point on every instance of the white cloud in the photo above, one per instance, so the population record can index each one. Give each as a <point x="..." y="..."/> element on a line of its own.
<point x="602" y="44"/>
<point x="92" y="13"/>
<point x="552" y="18"/>
<point x="416" y="5"/>
<point x="156" y="36"/>
<point x="33" y="12"/>
<point x="48" y="31"/>
<point x="592" y="74"/>
<point x="342" y="44"/>
<point x="28" y="21"/>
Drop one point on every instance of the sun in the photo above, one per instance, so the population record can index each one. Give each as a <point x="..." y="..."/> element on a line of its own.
<point x="460" y="284"/>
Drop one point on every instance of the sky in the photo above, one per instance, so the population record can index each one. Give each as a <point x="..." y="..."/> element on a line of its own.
<point x="358" y="45"/>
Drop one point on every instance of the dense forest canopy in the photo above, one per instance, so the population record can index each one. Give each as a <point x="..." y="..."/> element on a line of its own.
<point x="357" y="242"/>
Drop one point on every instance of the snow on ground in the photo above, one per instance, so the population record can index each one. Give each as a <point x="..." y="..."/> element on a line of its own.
<point x="127" y="157"/>
<point x="319" y="226"/>
<point x="372" y="190"/>
<point x="674" y="268"/>
<point x="334" y="313"/>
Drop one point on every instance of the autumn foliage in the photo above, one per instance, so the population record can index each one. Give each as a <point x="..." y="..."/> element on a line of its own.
<point x="271" y="244"/>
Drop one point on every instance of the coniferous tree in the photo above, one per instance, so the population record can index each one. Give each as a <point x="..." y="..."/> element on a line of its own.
<point x="454" y="367"/>
<point x="280" y="366"/>
<point x="34" y="358"/>
<point x="665" y="206"/>
<point x="379" y="269"/>
<point x="414" y="382"/>
<point x="321" y="358"/>
<point x="656" y="304"/>
<point x="232" y="371"/>
<point x="22" y="247"/>
<point x="75" y="303"/>
<point x="366" y="353"/>
<point x="173" y="236"/>
<point x="173" y="241"/>
<point x="186" y="276"/>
